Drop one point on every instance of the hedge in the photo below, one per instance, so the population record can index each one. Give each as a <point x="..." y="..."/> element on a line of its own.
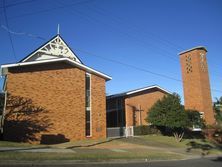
<point x="146" y="130"/>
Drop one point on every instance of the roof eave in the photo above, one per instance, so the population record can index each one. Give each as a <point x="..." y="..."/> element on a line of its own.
<point x="147" y="88"/>
<point x="115" y="95"/>
<point x="194" y="48"/>
<point x="88" y="69"/>
<point x="137" y="91"/>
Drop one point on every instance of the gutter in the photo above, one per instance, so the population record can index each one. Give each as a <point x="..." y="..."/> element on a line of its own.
<point x="76" y="64"/>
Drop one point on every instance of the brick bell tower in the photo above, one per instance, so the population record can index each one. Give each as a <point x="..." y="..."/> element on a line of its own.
<point x="196" y="84"/>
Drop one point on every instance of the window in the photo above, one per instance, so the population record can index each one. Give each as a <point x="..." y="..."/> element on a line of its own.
<point x="189" y="68"/>
<point x="203" y="62"/>
<point x="202" y="115"/>
<point x="88" y="104"/>
<point x="2" y="102"/>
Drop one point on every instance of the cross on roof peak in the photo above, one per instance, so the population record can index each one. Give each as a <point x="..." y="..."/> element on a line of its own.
<point x="58" y="30"/>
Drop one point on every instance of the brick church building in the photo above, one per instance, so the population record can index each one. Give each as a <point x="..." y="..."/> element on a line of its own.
<point x="130" y="108"/>
<point x="52" y="97"/>
<point x="196" y="83"/>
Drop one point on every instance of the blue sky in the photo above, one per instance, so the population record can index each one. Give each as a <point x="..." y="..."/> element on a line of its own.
<point x="147" y="34"/>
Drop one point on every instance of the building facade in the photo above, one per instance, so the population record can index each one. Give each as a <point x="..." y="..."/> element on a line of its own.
<point x="52" y="97"/>
<point x="130" y="108"/>
<point x="196" y="84"/>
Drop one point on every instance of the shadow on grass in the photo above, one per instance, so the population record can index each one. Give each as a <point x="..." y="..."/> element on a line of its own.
<point x="218" y="159"/>
<point x="204" y="147"/>
<point x="94" y="144"/>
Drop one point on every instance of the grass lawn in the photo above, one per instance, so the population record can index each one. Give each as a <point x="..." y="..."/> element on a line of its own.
<point x="14" y="144"/>
<point x="164" y="141"/>
<point x="98" y="156"/>
<point x="147" y="140"/>
<point x="152" y="147"/>
<point x="196" y="146"/>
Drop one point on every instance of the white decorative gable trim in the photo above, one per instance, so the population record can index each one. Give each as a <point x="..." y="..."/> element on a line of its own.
<point x="55" y="48"/>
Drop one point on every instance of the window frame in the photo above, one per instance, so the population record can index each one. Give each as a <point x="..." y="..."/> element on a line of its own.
<point x="88" y="108"/>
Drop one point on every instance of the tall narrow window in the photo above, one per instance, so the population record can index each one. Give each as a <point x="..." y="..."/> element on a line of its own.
<point x="88" y="104"/>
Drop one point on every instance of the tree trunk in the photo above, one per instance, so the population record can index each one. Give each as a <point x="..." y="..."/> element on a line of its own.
<point x="178" y="136"/>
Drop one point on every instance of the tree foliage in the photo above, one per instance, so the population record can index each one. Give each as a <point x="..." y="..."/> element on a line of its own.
<point x="217" y="109"/>
<point x="169" y="112"/>
<point x="194" y="119"/>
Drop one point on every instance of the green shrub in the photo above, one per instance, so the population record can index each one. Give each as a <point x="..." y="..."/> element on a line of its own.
<point x="146" y="130"/>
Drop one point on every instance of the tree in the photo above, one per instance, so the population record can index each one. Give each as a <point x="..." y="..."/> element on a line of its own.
<point x="170" y="113"/>
<point x="217" y="110"/>
<point x="194" y="119"/>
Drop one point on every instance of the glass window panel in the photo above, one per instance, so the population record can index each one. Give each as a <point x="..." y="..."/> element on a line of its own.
<point x="87" y="129"/>
<point x="87" y="101"/>
<point x="87" y="116"/>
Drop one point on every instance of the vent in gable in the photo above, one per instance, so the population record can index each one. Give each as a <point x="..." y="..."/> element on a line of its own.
<point x="189" y="67"/>
<point x="55" y="48"/>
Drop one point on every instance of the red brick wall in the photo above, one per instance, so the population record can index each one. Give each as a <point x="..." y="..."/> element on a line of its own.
<point x="98" y="107"/>
<point x="196" y="84"/>
<point x="48" y="103"/>
<point x="146" y="101"/>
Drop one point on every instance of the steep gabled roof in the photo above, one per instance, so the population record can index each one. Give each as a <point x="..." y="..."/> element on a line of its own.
<point x="132" y="92"/>
<point x="55" y="50"/>
<point x="56" y="47"/>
